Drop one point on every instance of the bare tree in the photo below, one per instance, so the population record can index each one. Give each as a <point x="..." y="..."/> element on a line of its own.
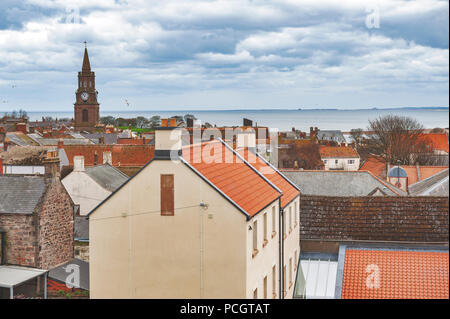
<point x="307" y="156"/>
<point x="357" y="135"/>
<point x="396" y="138"/>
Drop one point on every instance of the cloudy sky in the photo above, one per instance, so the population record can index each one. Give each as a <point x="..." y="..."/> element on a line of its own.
<point x="225" y="54"/>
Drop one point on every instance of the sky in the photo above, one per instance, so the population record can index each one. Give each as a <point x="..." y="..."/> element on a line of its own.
<point x="225" y="54"/>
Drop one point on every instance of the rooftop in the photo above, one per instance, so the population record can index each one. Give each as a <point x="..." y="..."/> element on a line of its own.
<point x="20" y="194"/>
<point x="289" y="189"/>
<point x="338" y="152"/>
<point x="237" y="179"/>
<point x="394" y="219"/>
<point x="436" y="185"/>
<point x="107" y="176"/>
<point x="370" y="273"/>
<point x="340" y="183"/>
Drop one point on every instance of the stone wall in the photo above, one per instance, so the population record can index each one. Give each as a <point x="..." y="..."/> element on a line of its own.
<point x="21" y="248"/>
<point x="81" y="251"/>
<point x="56" y="227"/>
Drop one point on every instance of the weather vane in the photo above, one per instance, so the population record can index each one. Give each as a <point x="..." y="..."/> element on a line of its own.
<point x="85" y="44"/>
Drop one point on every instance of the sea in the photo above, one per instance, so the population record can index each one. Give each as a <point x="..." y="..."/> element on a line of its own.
<point x="283" y="119"/>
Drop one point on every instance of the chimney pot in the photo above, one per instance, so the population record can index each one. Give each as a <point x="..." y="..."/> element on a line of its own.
<point x="164" y="122"/>
<point x="172" y="122"/>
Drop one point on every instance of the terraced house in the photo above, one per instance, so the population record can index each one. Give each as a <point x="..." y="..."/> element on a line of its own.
<point x="198" y="221"/>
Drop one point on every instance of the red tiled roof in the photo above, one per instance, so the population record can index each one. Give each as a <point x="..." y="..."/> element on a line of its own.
<point x="375" y="218"/>
<point x="231" y="175"/>
<point x="438" y="141"/>
<point x="402" y="274"/>
<point x="289" y="191"/>
<point x="337" y="151"/>
<point x="374" y="164"/>
<point x="122" y="155"/>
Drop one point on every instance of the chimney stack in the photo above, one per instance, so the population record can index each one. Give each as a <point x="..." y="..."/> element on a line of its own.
<point x="247" y="138"/>
<point x="167" y="140"/>
<point x="78" y="163"/>
<point x="51" y="164"/>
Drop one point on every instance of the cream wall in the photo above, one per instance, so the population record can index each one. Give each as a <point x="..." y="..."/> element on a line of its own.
<point x="198" y="253"/>
<point x="342" y="163"/>
<point x="84" y="191"/>
<point x="268" y="256"/>
<point x="292" y="245"/>
<point x="261" y="264"/>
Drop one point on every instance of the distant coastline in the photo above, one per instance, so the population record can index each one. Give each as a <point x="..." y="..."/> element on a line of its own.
<point x="284" y="119"/>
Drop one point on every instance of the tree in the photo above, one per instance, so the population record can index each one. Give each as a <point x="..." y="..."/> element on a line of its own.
<point x="108" y="120"/>
<point x="142" y="122"/>
<point x="396" y="138"/>
<point x="307" y="156"/>
<point x="155" y="121"/>
<point x="357" y="135"/>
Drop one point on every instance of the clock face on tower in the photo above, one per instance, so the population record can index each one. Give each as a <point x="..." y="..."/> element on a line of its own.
<point x="84" y="96"/>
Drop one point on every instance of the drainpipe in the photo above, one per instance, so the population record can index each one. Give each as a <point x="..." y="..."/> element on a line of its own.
<point x="3" y="246"/>
<point x="281" y="254"/>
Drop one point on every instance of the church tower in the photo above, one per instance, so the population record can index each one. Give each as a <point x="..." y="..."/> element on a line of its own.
<point x="86" y="107"/>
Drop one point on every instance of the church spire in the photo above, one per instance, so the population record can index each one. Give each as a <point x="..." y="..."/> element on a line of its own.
<point x="86" y="63"/>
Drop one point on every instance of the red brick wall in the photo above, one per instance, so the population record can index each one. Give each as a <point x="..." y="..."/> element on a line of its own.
<point x="56" y="227"/>
<point x="20" y="239"/>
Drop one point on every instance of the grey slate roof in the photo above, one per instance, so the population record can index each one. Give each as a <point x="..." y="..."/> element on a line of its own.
<point x="331" y="135"/>
<point x="61" y="273"/>
<point x="110" y="138"/>
<point x="436" y="185"/>
<point x="339" y="183"/>
<point x="107" y="176"/>
<point x="20" y="194"/>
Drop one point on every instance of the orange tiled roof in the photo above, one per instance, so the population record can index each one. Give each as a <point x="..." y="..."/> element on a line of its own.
<point x="374" y="164"/>
<point x="438" y="141"/>
<point x="403" y="274"/>
<point x="337" y="151"/>
<point x="424" y="172"/>
<point x="289" y="191"/>
<point x="231" y="175"/>
<point x="122" y="155"/>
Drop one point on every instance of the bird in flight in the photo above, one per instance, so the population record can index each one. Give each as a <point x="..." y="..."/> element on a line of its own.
<point x="126" y="102"/>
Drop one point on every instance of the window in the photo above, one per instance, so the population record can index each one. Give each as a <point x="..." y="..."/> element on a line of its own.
<point x="274" y="222"/>
<point x="265" y="287"/>
<point x="265" y="230"/>
<point x="167" y="195"/>
<point x="255" y="293"/>
<point x="325" y="161"/>
<point x="274" y="282"/>
<point x="336" y="161"/>
<point x="95" y="159"/>
<point x="351" y="161"/>
<point x="255" y="238"/>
